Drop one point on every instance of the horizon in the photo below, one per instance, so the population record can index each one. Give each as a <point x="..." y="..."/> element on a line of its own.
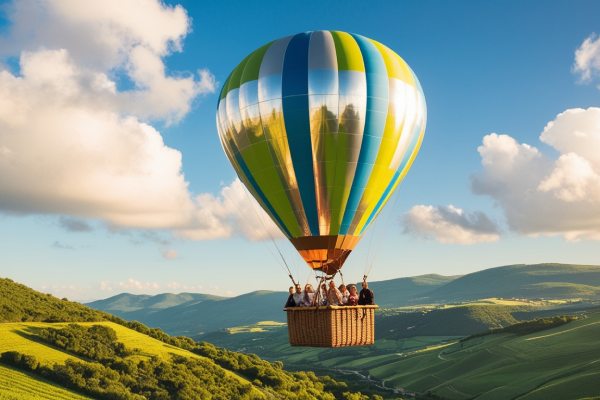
<point x="376" y="281"/>
<point x="114" y="179"/>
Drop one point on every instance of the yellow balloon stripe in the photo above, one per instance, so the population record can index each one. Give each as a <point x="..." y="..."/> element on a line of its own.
<point x="400" y="178"/>
<point x="348" y="53"/>
<point x="384" y="170"/>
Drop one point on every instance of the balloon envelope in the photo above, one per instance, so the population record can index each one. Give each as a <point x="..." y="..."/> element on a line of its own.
<point x="321" y="127"/>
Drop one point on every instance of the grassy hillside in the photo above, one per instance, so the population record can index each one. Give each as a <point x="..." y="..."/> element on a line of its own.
<point x="19" y="385"/>
<point x="557" y="363"/>
<point x="25" y="338"/>
<point x="456" y="321"/>
<point x="191" y="318"/>
<point x="411" y="290"/>
<point x="20" y="303"/>
<point x="196" y="318"/>
<point x="523" y="281"/>
<point x="396" y="331"/>
<point x="112" y="358"/>
<point x="560" y="363"/>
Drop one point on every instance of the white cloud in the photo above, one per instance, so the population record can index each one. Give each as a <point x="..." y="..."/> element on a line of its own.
<point x="450" y="224"/>
<point x="183" y="287"/>
<point x="587" y="58"/>
<point x="135" y="285"/>
<point x="113" y="37"/>
<point x="132" y="285"/>
<point x="73" y="143"/>
<point x="542" y="195"/>
<point x="572" y="179"/>
<point x="69" y="154"/>
<point x="232" y="212"/>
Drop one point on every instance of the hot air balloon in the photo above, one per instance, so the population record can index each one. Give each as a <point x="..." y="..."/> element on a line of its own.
<point x="321" y="127"/>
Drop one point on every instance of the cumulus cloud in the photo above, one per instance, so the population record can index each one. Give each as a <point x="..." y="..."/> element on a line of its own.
<point x="137" y="286"/>
<point x="587" y="58"/>
<point x="114" y="37"/>
<point x="541" y="194"/>
<point x="231" y="212"/>
<point x="75" y="121"/>
<point x="130" y="285"/>
<point x="67" y="154"/>
<point x="450" y="224"/>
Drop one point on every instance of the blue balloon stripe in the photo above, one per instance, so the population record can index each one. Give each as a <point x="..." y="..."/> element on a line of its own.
<point x="297" y="123"/>
<point x="377" y="107"/>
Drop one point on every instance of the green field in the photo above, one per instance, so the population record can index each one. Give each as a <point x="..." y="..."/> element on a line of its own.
<point x="21" y="337"/>
<point x="561" y="363"/>
<point x="17" y="385"/>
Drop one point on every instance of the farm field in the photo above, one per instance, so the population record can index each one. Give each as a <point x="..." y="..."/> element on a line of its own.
<point x="18" y="385"/>
<point x="562" y="362"/>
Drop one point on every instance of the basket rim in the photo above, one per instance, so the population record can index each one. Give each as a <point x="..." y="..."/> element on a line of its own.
<point x="327" y="308"/>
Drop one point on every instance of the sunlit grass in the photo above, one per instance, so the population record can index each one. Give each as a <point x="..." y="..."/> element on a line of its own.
<point x="21" y="337"/>
<point x="17" y="385"/>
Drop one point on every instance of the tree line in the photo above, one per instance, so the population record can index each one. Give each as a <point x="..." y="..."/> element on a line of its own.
<point x="110" y="372"/>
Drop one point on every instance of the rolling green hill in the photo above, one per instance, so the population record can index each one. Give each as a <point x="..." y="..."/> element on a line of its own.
<point x="552" y="281"/>
<point x="191" y="318"/>
<point x="127" y="302"/>
<point x="411" y="290"/>
<point x="141" y="307"/>
<point x="19" y="385"/>
<point x="61" y="349"/>
<point x="455" y="321"/>
<point x="559" y="363"/>
<point x="20" y="303"/>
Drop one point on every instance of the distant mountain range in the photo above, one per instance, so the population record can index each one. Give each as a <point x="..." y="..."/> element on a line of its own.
<point x="193" y="314"/>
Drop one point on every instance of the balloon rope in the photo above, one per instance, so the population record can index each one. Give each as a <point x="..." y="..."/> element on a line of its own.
<point x="259" y="217"/>
<point x="370" y="256"/>
<point x="377" y="232"/>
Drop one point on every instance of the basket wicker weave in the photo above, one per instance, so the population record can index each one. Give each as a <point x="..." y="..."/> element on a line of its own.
<point x="331" y="326"/>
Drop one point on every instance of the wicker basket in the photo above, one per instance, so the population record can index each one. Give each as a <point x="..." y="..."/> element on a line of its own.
<point x="331" y="326"/>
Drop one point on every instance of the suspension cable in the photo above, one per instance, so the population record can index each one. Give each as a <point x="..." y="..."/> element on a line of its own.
<point x="265" y="229"/>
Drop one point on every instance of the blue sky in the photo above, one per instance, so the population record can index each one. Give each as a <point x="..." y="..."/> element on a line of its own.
<point x="485" y="67"/>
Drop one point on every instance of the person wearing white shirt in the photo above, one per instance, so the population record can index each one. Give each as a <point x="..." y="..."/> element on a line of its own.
<point x="345" y="294"/>
<point x="309" y="296"/>
<point x="334" y="297"/>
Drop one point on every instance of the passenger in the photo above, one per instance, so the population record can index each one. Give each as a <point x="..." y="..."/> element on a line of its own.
<point x="366" y="296"/>
<point x="334" y="297"/>
<point x="345" y="293"/>
<point x="298" y="297"/>
<point x="323" y="295"/>
<point x="290" y="300"/>
<point x="309" y="296"/>
<point x="353" y="298"/>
